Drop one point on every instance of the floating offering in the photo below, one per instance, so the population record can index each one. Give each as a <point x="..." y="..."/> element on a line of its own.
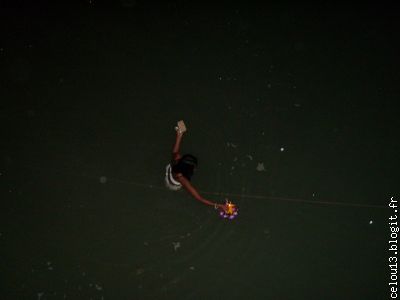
<point x="230" y="211"/>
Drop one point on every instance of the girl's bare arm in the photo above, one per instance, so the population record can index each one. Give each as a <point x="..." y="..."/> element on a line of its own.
<point x="190" y="188"/>
<point x="175" y="150"/>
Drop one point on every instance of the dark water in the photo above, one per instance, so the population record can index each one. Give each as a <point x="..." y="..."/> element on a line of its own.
<point x="89" y="98"/>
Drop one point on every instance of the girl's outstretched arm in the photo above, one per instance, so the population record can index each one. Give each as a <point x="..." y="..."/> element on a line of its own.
<point x="190" y="188"/>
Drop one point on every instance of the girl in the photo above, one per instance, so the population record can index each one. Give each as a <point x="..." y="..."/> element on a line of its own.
<point x="180" y="171"/>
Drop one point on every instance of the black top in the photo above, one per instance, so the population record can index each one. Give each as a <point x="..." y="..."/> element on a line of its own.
<point x="185" y="165"/>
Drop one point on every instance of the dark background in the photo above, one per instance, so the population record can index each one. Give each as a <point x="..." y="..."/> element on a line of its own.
<point x="90" y="93"/>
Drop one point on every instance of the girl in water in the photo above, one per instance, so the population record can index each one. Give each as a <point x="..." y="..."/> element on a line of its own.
<point x="180" y="171"/>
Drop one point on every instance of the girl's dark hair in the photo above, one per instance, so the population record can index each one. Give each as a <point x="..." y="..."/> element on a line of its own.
<point x="185" y="165"/>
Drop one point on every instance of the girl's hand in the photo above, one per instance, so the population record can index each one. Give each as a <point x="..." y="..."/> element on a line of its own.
<point x="220" y="206"/>
<point x="180" y="128"/>
<point x="178" y="132"/>
<point x="223" y="207"/>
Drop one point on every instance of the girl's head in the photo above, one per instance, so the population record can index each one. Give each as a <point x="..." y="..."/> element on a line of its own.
<point x="185" y="165"/>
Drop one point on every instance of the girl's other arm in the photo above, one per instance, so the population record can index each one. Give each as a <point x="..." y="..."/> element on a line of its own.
<point x="177" y="145"/>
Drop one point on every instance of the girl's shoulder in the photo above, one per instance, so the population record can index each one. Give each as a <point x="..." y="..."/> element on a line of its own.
<point x="176" y="157"/>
